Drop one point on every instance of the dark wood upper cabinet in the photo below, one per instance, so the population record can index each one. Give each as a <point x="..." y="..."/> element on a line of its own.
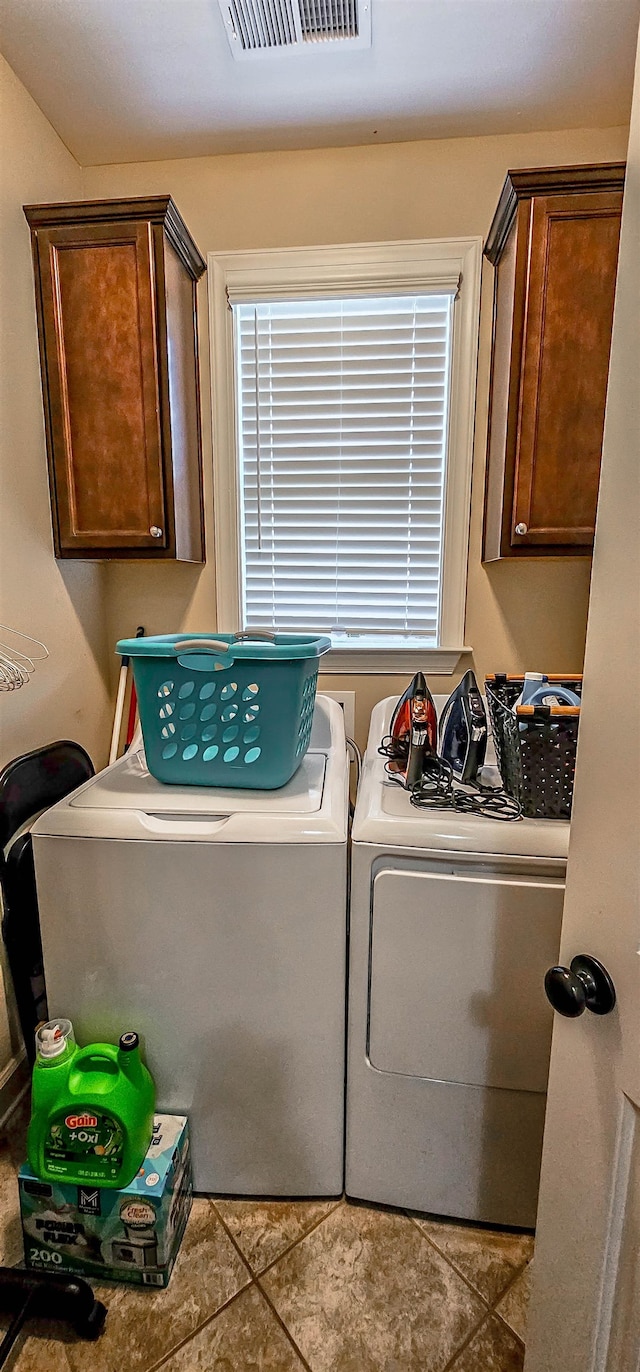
<point x="554" y="245"/>
<point x="116" y="306"/>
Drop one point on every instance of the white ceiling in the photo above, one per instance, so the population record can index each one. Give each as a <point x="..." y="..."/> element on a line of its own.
<point x="129" y="80"/>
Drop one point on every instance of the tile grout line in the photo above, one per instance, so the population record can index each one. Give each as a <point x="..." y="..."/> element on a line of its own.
<point x="488" y="1307"/>
<point x="509" y="1327"/>
<point x="257" y="1274"/>
<point x="231" y="1237"/>
<point x="492" y="1306"/>
<point x="492" y="1310"/>
<point x="209" y="1320"/>
<point x="513" y="1279"/>
<point x="509" y="1287"/>
<point x="450" y="1366"/>
<point x="311" y="1230"/>
<point x="256" y="1282"/>
<point x="289" y="1335"/>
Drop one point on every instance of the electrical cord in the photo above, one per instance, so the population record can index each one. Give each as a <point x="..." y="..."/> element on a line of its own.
<point x="396" y="749"/>
<point x="438" y="789"/>
<point x="356" y="757"/>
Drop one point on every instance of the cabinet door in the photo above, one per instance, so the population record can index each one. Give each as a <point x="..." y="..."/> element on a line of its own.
<point x="573" y="251"/>
<point x="98" y="335"/>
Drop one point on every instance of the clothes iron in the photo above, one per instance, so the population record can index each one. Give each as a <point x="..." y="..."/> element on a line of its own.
<point x="463" y="730"/>
<point x="414" y="732"/>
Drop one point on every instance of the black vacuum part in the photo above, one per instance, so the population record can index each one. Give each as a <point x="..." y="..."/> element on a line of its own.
<point x="43" y="1295"/>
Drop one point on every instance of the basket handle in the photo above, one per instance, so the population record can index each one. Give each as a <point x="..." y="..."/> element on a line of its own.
<point x="553" y="676"/>
<point x="265" y="634"/>
<point x="528" y="711"/>
<point x="207" y="645"/>
<point x="218" y="645"/>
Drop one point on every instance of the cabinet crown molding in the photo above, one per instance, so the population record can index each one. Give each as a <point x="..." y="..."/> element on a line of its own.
<point x="155" y="209"/>
<point x="525" y="182"/>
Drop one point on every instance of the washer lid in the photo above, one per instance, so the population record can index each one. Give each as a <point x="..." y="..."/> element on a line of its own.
<point x="385" y="816"/>
<point x="126" y="802"/>
<point x="130" y="786"/>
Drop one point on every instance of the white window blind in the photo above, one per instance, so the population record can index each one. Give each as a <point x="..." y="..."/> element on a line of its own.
<point x="342" y="423"/>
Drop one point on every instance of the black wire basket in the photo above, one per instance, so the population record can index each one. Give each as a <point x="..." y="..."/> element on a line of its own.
<point x="536" y="754"/>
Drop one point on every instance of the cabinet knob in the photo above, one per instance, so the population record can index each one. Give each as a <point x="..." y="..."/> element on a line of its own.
<point x="155" y="531"/>
<point x="521" y="528"/>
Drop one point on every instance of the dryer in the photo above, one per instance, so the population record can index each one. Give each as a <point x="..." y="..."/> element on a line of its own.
<point x="454" y="921"/>
<point x="214" y="922"/>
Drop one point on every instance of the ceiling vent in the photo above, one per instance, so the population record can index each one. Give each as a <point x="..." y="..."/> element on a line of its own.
<point x="257" y="27"/>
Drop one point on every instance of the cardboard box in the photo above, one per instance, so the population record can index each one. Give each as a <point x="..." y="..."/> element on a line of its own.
<point x="131" y="1235"/>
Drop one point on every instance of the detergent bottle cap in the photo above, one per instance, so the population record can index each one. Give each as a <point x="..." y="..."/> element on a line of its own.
<point x="54" y="1038"/>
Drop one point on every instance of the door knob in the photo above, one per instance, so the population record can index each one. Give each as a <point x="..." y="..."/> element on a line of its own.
<point x="521" y="528"/>
<point x="155" y="531"/>
<point x="585" y="985"/>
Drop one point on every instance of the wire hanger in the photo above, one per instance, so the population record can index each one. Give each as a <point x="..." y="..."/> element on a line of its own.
<point x="16" y="666"/>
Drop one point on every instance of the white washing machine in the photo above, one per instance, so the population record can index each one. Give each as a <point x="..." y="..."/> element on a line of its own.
<point x="454" y="921"/>
<point x="214" y="923"/>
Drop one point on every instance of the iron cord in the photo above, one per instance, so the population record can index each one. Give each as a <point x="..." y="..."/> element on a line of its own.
<point x="437" y="789"/>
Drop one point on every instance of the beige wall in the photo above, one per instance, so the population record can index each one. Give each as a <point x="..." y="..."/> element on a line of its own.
<point x="60" y="603"/>
<point x="526" y="615"/>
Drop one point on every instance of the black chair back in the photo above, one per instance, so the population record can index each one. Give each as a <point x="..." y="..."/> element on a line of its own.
<point x="28" y="786"/>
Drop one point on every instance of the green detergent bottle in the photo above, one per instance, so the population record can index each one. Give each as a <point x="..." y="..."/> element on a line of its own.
<point x="92" y="1108"/>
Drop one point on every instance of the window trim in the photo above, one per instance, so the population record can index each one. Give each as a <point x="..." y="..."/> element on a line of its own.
<point x="352" y="268"/>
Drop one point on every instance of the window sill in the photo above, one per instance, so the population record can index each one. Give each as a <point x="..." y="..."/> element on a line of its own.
<point x="385" y="659"/>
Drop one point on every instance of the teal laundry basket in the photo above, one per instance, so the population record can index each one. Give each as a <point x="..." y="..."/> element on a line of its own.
<point x="225" y="709"/>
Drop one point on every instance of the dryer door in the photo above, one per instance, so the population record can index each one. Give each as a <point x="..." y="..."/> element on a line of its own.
<point x="457" y="968"/>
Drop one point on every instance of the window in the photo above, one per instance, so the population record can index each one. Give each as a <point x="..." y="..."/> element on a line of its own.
<point x="343" y="409"/>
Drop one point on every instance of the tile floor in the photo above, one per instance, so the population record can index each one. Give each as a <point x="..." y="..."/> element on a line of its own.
<point x="285" y="1286"/>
